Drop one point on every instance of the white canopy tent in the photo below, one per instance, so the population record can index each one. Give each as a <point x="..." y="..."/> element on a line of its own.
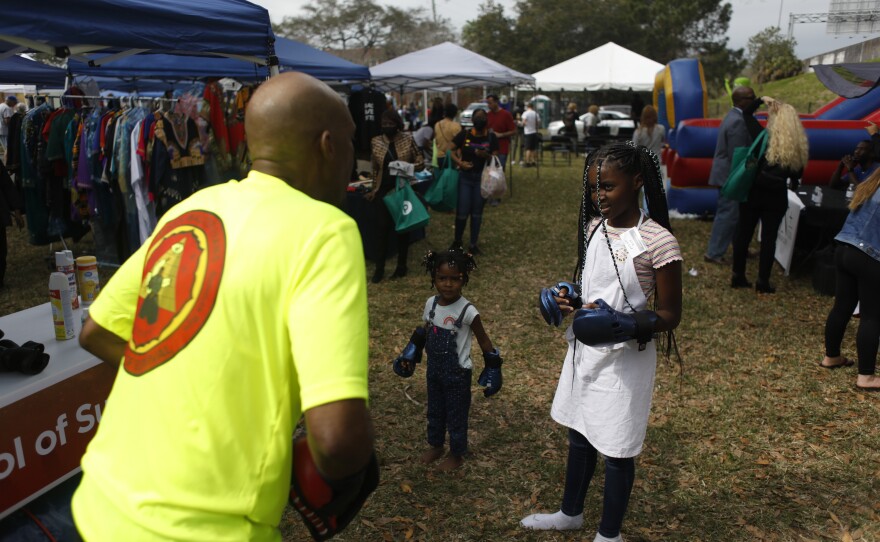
<point x="444" y="67"/>
<point x="604" y="68"/>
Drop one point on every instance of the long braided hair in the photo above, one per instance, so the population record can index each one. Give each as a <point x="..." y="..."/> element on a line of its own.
<point x="630" y="160"/>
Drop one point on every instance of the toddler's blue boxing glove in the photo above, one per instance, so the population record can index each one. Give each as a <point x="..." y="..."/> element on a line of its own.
<point x="490" y="378"/>
<point x="405" y="364"/>
<point x="605" y="326"/>
<point x="548" y="305"/>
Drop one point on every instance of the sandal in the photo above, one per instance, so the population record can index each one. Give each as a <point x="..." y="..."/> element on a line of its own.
<point x="845" y="363"/>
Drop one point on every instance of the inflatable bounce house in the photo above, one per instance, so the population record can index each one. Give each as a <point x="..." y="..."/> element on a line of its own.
<point x="682" y="105"/>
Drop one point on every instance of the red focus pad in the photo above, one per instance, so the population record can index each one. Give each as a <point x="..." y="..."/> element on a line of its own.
<point x="309" y="492"/>
<point x="327" y="506"/>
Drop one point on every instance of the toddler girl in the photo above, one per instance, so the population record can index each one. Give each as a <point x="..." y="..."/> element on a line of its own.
<point x="450" y="323"/>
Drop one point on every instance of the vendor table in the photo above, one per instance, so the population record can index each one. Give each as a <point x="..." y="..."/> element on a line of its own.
<point x="49" y="418"/>
<point x="828" y="217"/>
<point x="819" y="224"/>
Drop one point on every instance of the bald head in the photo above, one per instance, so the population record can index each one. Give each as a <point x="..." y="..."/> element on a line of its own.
<point x="742" y="96"/>
<point x="299" y="130"/>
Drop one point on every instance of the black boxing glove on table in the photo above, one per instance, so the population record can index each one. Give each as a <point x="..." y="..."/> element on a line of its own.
<point x="327" y="506"/>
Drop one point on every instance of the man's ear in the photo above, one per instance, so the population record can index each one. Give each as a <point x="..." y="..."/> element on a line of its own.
<point x="325" y="146"/>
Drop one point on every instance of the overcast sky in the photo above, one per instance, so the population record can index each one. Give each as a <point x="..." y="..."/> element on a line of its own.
<point x="749" y="18"/>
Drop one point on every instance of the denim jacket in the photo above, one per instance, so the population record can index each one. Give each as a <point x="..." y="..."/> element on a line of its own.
<point x="862" y="227"/>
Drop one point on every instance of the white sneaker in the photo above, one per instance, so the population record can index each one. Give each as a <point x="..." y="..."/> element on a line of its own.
<point x="600" y="538"/>
<point x="553" y="522"/>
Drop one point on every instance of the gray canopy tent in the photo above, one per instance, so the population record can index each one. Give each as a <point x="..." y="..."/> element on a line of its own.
<point x="445" y="67"/>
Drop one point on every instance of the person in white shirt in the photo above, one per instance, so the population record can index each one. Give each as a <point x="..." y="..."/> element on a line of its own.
<point x="7" y="109"/>
<point x="424" y="138"/>
<point x="530" y="120"/>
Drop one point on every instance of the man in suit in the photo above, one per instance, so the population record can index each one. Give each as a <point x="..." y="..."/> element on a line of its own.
<point x="731" y="134"/>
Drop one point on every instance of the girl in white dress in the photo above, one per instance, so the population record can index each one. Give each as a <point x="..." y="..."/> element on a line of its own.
<point x="604" y="393"/>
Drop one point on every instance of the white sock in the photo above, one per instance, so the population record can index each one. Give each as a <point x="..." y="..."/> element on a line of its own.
<point x="600" y="538"/>
<point x="558" y="521"/>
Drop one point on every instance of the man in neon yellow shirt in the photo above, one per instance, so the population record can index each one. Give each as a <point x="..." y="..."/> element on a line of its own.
<point x="244" y="309"/>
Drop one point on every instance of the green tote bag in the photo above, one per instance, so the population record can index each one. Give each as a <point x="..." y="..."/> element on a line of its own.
<point x="744" y="169"/>
<point x="406" y="208"/>
<point x="443" y="194"/>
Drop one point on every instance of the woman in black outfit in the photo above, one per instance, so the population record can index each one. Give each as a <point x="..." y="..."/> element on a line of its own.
<point x="779" y="169"/>
<point x="394" y="144"/>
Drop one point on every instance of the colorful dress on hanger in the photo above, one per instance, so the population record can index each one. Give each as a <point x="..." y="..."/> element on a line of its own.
<point x="178" y="165"/>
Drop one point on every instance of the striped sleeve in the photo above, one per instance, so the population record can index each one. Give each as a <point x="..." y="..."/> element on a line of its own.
<point x="662" y="245"/>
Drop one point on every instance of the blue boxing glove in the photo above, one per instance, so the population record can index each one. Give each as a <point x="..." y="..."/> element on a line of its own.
<point x="405" y="364"/>
<point x="605" y="326"/>
<point x="548" y="305"/>
<point x="491" y="375"/>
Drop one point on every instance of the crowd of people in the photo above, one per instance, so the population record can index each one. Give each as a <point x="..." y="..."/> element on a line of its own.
<point x="292" y="340"/>
<point x="779" y="169"/>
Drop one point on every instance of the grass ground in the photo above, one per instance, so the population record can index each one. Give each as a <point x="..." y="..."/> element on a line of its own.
<point x="748" y="441"/>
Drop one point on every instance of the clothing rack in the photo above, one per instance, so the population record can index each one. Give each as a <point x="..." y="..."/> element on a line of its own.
<point x="87" y="97"/>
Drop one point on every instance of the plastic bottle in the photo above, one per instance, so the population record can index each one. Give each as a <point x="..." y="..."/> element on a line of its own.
<point x="62" y="306"/>
<point x="87" y="276"/>
<point x="64" y="264"/>
<point x="849" y="191"/>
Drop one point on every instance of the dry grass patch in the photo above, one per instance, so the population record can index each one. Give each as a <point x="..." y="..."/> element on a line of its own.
<point x="749" y="441"/>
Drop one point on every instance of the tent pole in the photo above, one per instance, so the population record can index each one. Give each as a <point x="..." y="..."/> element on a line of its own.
<point x="425" y="103"/>
<point x="513" y="141"/>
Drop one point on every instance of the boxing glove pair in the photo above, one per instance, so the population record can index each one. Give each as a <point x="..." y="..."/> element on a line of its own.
<point x="405" y="364"/>
<point x="601" y="326"/>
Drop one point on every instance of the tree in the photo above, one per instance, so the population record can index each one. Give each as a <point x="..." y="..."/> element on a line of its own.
<point x="491" y="34"/>
<point x="543" y="33"/>
<point x="364" y="25"/>
<point x="772" y="56"/>
<point x="411" y="31"/>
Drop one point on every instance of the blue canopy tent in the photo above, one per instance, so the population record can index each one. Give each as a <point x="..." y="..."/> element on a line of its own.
<point x="231" y="28"/>
<point x="18" y="70"/>
<point x="23" y="71"/>
<point x="292" y="56"/>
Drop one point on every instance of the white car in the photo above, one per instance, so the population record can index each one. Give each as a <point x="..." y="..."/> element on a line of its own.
<point x="465" y="117"/>
<point x="615" y="121"/>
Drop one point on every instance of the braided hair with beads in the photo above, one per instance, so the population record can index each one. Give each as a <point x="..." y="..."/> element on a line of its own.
<point x="631" y="160"/>
<point x="454" y="258"/>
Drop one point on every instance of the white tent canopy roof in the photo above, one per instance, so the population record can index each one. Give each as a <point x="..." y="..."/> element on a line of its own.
<point x="444" y="66"/>
<point x="604" y="68"/>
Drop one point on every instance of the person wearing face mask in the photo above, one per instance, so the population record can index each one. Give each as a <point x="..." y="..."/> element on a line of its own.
<point x="472" y="150"/>
<point x="393" y="144"/>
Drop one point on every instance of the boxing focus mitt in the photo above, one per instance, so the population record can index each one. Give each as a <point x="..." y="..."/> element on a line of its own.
<point x="28" y="358"/>
<point x="327" y="506"/>
<point x="548" y="305"/>
<point x="405" y="364"/>
<point x="605" y="326"/>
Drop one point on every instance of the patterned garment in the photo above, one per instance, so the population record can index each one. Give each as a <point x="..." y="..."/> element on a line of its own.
<point x="405" y="149"/>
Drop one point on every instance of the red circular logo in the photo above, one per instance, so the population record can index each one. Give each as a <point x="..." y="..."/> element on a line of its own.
<point x="179" y="285"/>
